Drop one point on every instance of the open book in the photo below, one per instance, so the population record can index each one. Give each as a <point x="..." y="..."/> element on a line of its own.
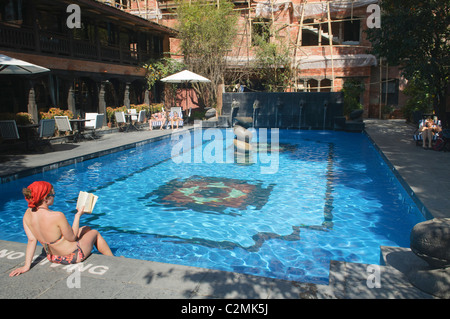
<point x="87" y="200"/>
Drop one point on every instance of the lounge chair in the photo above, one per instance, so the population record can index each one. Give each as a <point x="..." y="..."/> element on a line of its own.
<point x="159" y="123"/>
<point x="90" y="120"/>
<point x="167" y="124"/>
<point x="63" y="124"/>
<point x="120" y="119"/>
<point x="8" y="130"/>
<point x="95" y="122"/>
<point x="141" y="118"/>
<point x="446" y="138"/>
<point x="180" y="115"/>
<point x="443" y="141"/>
<point x="46" y="130"/>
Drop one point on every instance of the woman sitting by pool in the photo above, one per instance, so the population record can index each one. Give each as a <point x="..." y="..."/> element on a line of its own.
<point x="153" y="118"/>
<point x="175" y="118"/>
<point x="157" y="117"/>
<point x="62" y="243"/>
<point x="429" y="129"/>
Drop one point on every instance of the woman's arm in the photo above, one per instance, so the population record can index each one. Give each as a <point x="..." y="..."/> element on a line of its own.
<point x="70" y="233"/>
<point x="31" y="248"/>
<point x="76" y="221"/>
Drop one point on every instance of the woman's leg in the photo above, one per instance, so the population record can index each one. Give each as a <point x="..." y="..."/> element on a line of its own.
<point x="426" y="134"/>
<point x="89" y="237"/>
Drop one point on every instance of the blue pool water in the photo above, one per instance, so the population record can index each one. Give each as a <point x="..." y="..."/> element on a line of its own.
<point x="319" y="196"/>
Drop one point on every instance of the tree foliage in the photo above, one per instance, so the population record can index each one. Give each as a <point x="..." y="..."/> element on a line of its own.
<point x="160" y="68"/>
<point x="352" y="90"/>
<point x="415" y="35"/>
<point x="207" y="31"/>
<point x="419" y="97"/>
<point x="272" y="63"/>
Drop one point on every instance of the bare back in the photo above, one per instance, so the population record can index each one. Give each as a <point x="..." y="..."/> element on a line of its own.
<point x="51" y="227"/>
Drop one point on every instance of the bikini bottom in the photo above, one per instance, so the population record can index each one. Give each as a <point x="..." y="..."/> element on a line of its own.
<point x="76" y="255"/>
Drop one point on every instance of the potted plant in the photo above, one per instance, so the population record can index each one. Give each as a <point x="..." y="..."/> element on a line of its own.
<point x="23" y="118"/>
<point x="55" y="111"/>
<point x="110" y="116"/>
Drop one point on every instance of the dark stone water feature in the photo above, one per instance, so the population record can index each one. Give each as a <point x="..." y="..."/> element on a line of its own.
<point x="304" y="110"/>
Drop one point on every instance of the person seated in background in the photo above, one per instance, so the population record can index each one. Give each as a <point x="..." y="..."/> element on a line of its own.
<point x="175" y="118"/>
<point x="157" y="117"/>
<point x="429" y="129"/>
<point x="164" y="118"/>
<point x="152" y="119"/>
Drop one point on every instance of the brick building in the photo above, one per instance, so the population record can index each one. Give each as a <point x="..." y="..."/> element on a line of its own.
<point x="94" y="66"/>
<point x="326" y="38"/>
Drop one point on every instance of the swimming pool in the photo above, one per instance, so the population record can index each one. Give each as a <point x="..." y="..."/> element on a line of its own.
<point x="315" y="197"/>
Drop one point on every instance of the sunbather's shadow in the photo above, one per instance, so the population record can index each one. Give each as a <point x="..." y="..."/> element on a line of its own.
<point x="39" y="258"/>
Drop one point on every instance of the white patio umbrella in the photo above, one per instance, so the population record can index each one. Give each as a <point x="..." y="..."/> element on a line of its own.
<point x="10" y="65"/>
<point x="185" y="77"/>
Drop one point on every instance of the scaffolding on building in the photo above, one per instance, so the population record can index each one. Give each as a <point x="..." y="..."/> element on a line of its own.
<point x="309" y="17"/>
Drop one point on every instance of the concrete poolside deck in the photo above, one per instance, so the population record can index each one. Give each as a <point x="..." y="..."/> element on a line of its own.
<point x="424" y="171"/>
<point x="116" y="277"/>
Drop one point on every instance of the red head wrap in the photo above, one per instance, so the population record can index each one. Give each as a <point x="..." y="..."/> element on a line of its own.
<point x="39" y="190"/>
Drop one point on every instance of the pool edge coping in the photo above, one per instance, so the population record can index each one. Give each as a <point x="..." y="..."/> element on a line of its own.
<point x="420" y="205"/>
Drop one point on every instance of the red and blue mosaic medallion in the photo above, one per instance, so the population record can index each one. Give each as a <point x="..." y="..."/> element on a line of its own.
<point x="211" y="194"/>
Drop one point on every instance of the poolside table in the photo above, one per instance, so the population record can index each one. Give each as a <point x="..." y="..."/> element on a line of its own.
<point x="130" y="122"/>
<point x="79" y="124"/>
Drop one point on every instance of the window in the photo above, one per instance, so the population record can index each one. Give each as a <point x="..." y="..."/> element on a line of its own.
<point x="11" y="12"/>
<point x="389" y="92"/>
<point x="312" y="85"/>
<point x="51" y="21"/>
<point x="108" y="34"/>
<point x="134" y="50"/>
<point x="261" y="30"/>
<point x="325" y="85"/>
<point x="157" y="45"/>
<point x="351" y="30"/>
<point x="86" y="32"/>
<point x="309" y="38"/>
<point x="122" y="4"/>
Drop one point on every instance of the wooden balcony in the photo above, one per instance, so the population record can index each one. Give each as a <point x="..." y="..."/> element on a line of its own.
<point x="50" y="43"/>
